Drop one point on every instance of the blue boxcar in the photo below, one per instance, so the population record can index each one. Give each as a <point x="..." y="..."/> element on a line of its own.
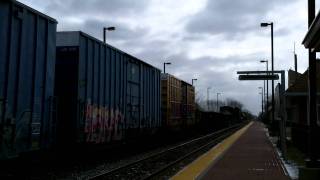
<point x="104" y="95"/>
<point x="27" y="59"/>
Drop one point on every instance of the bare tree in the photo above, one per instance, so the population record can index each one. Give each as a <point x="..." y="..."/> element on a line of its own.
<point x="234" y="103"/>
<point x="199" y="102"/>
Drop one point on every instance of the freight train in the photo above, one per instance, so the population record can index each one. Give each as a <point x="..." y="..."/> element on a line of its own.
<point x="61" y="89"/>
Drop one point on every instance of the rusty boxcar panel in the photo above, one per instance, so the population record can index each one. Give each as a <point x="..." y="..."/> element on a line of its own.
<point x="27" y="58"/>
<point x="112" y="93"/>
<point x="188" y="103"/>
<point x="171" y="100"/>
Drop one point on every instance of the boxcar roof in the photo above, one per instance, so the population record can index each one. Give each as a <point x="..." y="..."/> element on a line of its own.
<point x="73" y="40"/>
<point x="166" y="75"/>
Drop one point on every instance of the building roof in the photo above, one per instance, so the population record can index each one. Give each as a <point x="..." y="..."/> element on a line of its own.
<point x="292" y="77"/>
<point x="300" y="85"/>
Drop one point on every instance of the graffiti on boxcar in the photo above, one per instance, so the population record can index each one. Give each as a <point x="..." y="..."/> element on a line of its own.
<point x="103" y="124"/>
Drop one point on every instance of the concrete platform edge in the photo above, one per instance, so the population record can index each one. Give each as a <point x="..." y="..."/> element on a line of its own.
<point x="203" y="163"/>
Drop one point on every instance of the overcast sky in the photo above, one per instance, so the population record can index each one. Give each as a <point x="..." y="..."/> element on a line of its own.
<point x="205" y="39"/>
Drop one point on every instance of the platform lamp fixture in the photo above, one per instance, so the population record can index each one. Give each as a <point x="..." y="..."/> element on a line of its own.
<point x="105" y="29"/>
<point x="164" y="66"/>
<point x="267" y="96"/>
<point x="193" y="80"/>
<point x="272" y="64"/>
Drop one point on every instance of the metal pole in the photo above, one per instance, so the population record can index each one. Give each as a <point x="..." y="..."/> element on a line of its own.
<point x="272" y="68"/>
<point x="208" y="97"/>
<point x="267" y="86"/>
<point x="164" y="68"/>
<point x="104" y="34"/>
<point x="312" y="141"/>
<point x="192" y="80"/>
<point x="261" y="101"/>
<point x="217" y="101"/>
<point x="263" y="95"/>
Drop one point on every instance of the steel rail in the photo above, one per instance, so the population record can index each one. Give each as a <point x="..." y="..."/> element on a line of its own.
<point x="112" y="171"/>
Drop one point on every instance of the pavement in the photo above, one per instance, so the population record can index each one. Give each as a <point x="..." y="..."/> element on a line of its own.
<point x="246" y="155"/>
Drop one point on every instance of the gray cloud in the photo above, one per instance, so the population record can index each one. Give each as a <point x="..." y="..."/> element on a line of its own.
<point x="231" y="18"/>
<point x="91" y="16"/>
<point x="122" y="32"/>
<point x="218" y="73"/>
<point x="102" y="7"/>
<point x="228" y="19"/>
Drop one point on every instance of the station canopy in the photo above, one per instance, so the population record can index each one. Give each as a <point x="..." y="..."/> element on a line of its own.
<point x="312" y="38"/>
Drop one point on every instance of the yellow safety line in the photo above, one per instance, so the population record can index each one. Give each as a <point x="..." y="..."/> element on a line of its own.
<point x="203" y="162"/>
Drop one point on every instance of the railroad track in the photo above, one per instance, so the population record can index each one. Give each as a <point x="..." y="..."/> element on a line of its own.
<point x="158" y="163"/>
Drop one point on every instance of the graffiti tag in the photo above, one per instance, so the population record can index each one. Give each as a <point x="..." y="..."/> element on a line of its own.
<point x="103" y="124"/>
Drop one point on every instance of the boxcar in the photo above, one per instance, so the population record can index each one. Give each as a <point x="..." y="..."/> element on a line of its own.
<point x="188" y="104"/>
<point x="171" y="97"/>
<point x="104" y="94"/>
<point x="177" y="103"/>
<point x="27" y="60"/>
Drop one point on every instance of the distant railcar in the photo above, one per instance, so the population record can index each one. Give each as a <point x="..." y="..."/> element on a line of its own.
<point x="233" y="114"/>
<point x="188" y="104"/>
<point x="178" y="103"/>
<point x="212" y="121"/>
<point x="171" y="98"/>
<point x="27" y="59"/>
<point x="104" y="94"/>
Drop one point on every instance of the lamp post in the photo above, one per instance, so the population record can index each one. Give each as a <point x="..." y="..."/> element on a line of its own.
<point x="193" y="80"/>
<point x="272" y="65"/>
<point x="261" y="99"/>
<point x="266" y="61"/>
<point x="218" y="100"/>
<point x="105" y="29"/>
<point x="164" y="66"/>
<point x="208" y="97"/>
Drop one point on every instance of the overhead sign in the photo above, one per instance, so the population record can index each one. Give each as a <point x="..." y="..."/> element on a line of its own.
<point x="259" y="77"/>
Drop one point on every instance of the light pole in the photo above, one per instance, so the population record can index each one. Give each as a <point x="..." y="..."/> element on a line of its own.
<point x="193" y="80"/>
<point x="261" y="99"/>
<point x="267" y="68"/>
<point x="272" y="65"/>
<point x="208" y="97"/>
<point x="164" y="66"/>
<point x="218" y="100"/>
<point x="105" y="29"/>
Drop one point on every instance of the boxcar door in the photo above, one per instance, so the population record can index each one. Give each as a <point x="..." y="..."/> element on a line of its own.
<point x="133" y="89"/>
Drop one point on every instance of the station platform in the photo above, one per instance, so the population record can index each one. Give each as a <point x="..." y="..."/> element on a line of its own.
<point x="246" y="155"/>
